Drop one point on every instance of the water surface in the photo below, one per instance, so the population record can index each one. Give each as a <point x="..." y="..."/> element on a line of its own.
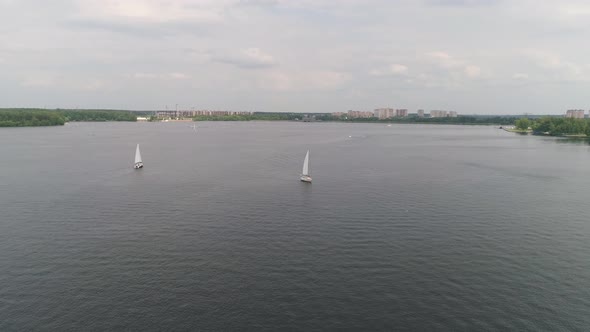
<point x="408" y="227"/>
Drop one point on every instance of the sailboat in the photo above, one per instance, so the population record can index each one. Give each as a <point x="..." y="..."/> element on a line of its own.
<point x="138" y="163"/>
<point x="305" y="174"/>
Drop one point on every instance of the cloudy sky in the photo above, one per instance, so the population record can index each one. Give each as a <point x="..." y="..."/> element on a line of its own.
<point x="472" y="56"/>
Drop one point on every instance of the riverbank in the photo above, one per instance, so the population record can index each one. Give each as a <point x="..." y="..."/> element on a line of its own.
<point x="531" y="132"/>
<point x="459" y="120"/>
<point x="518" y="131"/>
<point x="31" y="117"/>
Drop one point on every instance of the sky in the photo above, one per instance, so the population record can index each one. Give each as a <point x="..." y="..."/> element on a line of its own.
<point x="470" y="56"/>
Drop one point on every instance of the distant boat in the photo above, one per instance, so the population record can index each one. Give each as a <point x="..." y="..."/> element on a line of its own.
<point x="305" y="174"/>
<point x="138" y="163"/>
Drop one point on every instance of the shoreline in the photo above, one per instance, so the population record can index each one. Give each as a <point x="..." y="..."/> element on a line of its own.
<point x="268" y="120"/>
<point x="351" y="122"/>
<point x="532" y="133"/>
<point x="518" y="131"/>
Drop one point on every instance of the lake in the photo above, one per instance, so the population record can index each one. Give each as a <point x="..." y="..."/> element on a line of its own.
<point x="408" y="227"/>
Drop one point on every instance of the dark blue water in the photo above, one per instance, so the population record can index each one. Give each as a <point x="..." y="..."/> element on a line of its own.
<point x="407" y="227"/>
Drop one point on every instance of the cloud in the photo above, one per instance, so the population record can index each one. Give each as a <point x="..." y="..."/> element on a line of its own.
<point x="398" y="69"/>
<point x="144" y="76"/>
<point x="394" y="69"/>
<point x="178" y="76"/>
<point x="148" y="18"/>
<point x="520" y="76"/>
<point x="450" y="70"/>
<point x="472" y="71"/>
<point x="463" y="3"/>
<point x="38" y="81"/>
<point x="575" y="10"/>
<point x="92" y="85"/>
<point x="259" y="2"/>
<point x="247" y="58"/>
<point x="352" y="51"/>
<point x="444" y="60"/>
<point x="555" y="67"/>
<point x="281" y="80"/>
<point x="57" y="81"/>
<point x="153" y="11"/>
<point x="161" y="76"/>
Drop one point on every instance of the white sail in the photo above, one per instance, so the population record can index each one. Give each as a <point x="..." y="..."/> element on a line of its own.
<point x="137" y="155"/>
<point x="306" y="164"/>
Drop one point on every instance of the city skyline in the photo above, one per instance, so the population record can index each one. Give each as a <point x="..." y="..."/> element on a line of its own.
<point x="469" y="56"/>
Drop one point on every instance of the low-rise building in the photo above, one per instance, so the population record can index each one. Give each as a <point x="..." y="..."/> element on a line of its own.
<point x="189" y="114"/>
<point x="359" y="114"/>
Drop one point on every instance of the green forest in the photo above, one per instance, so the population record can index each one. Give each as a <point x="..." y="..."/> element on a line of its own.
<point x="98" y="115"/>
<point x="471" y="120"/>
<point x="460" y="120"/>
<point x="554" y="126"/>
<point x="548" y="125"/>
<point x="30" y="117"/>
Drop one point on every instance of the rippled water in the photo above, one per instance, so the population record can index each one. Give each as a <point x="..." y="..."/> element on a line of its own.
<point x="407" y="227"/>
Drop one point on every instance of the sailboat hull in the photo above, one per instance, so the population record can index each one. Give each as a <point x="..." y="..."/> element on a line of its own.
<point x="138" y="162"/>
<point x="305" y="178"/>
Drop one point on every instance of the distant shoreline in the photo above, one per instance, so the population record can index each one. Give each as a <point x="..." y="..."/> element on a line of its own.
<point x="347" y="122"/>
<point x="533" y="133"/>
<point x="517" y="131"/>
<point x="24" y="117"/>
<point x="543" y="126"/>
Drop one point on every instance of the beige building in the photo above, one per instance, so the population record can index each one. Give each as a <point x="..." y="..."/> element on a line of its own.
<point x="388" y="113"/>
<point x="359" y="114"/>
<point x="443" y="114"/>
<point x="438" y="114"/>
<point x="383" y="113"/>
<point x="189" y="114"/>
<point x="401" y="112"/>
<point x="576" y="114"/>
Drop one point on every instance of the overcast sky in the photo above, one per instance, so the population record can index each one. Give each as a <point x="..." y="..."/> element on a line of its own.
<point x="471" y="56"/>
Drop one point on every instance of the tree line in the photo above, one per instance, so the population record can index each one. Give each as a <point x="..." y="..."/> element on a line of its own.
<point x="30" y="117"/>
<point x="474" y="120"/>
<point x="554" y="126"/>
<point x="461" y="119"/>
<point x="99" y="115"/>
